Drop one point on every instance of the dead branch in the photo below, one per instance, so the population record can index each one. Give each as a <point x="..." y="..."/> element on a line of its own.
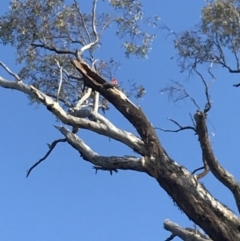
<point x="208" y="104"/>
<point x="181" y="128"/>
<point x="10" y="72"/>
<point x="185" y="233"/>
<point x="54" y="49"/>
<point x="218" y="171"/>
<point x="83" y="23"/>
<point x="92" y="43"/>
<point x="85" y="96"/>
<point x="183" y="94"/>
<point x="71" y="76"/>
<point x="204" y="173"/>
<point x="125" y="137"/>
<point x="51" y="147"/>
<point x="221" y="60"/>
<point x="97" y="168"/>
<point x="198" y="204"/>
<point x="172" y="236"/>
<point x="102" y="162"/>
<point x="198" y="169"/>
<point x="237" y="85"/>
<point x="120" y="101"/>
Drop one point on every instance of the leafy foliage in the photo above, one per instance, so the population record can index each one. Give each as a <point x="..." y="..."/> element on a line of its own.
<point x="48" y="34"/>
<point x="217" y="33"/>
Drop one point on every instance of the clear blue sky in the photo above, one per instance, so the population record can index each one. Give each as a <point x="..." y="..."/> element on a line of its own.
<point x="63" y="199"/>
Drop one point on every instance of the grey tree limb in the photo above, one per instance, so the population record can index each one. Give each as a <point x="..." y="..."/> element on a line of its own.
<point x="107" y="162"/>
<point x="218" y="171"/>
<point x="125" y="137"/>
<point x="185" y="234"/>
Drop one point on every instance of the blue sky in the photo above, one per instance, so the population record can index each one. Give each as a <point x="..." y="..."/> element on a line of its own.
<point x="63" y="199"/>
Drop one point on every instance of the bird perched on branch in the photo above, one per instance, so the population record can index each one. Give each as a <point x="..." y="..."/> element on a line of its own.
<point x="109" y="85"/>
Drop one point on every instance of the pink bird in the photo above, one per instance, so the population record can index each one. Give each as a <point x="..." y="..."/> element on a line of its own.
<point x="111" y="84"/>
<point x="114" y="81"/>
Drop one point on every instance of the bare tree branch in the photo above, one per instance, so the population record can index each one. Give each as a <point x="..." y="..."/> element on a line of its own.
<point x="172" y="236"/>
<point x="92" y="43"/>
<point x="235" y="53"/>
<point x="218" y="171"/>
<point x="237" y="85"/>
<point x="97" y="168"/>
<point x="54" y="49"/>
<point x="185" y="234"/>
<point x="181" y="128"/>
<point x="51" y="147"/>
<point x="221" y="60"/>
<point x="123" y="136"/>
<point x="208" y="105"/>
<point x="71" y="76"/>
<point x="10" y="72"/>
<point x="205" y="172"/>
<point x="85" y="96"/>
<point x="180" y="92"/>
<point x="83" y="22"/>
<point x="107" y="163"/>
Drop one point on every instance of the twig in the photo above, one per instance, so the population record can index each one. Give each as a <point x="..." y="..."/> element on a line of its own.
<point x="71" y="76"/>
<point x="97" y="168"/>
<point x="208" y="104"/>
<point x="181" y="128"/>
<point x="178" y="88"/>
<point x="10" y="72"/>
<point x="51" y="147"/>
<point x="171" y="237"/>
<point x="54" y="49"/>
<point x="205" y="172"/>
<point x="92" y="43"/>
<point x="198" y="169"/>
<point x="235" y="55"/>
<point x="83" y="22"/>
<point x="237" y="85"/>
<point x="193" y="122"/>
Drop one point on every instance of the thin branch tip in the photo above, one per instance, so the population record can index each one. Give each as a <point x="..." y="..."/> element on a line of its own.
<point x="51" y="147"/>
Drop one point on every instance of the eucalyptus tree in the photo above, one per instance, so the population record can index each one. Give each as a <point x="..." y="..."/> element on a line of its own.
<point x="56" y="46"/>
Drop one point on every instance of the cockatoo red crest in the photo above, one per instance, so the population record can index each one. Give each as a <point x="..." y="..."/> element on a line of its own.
<point x="114" y="81"/>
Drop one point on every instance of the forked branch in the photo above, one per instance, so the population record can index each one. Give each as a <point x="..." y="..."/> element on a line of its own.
<point x="181" y="128"/>
<point x="54" y="49"/>
<point x="94" y="30"/>
<point x="125" y="137"/>
<point x="208" y="104"/>
<point x="105" y="162"/>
